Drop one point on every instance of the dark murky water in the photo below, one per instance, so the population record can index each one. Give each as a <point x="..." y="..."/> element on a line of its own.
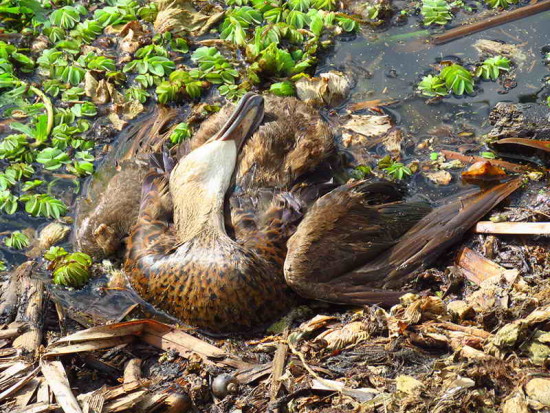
<point x="384" y="67"/>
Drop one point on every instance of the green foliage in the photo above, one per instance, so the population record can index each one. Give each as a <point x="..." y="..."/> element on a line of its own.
<point x="52" y="158"/>
<point x="14" y="147"/>
<point x="232" y="92"/>
<point x="44" y="205"/>
<point x="215" y="67"/>
<point x="283" y="89"/>
<point x="502" y="4"/>
<point x="458" y="79"/>
<point x="155" y="65"/>
<point x="492" y="67"/>
<point x="180" y="84"/>
<point x="17" y="240"/>
<point x="70" y="270"/>
<point x="432" y="86"/>
<point x="436" y="12"/>
<point x="236" y="21"/>
<point x="180" y="133"/>
<point x="394" y="169"/>
<point x="101" y="63"/>
<point x="84" y="109"/>
<point x="136" y="93"/>
<point x="329" y="5"/>
<point x="361" y="172"/>
<point x="488" y="155"/>
<point x="8" y="202"/>
<point x="87" y="31"/>
<point x="67" y="17"/>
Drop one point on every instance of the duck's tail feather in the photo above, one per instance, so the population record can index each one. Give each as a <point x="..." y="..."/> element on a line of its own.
<point x="377" y="280"/>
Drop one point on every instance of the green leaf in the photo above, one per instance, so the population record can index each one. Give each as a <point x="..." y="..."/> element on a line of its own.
<point x="436" y="12"/>
<point x="27" y="186"/>
<point x="180" y="133"/>
<point x="66" y="17"/>
<point x="52" y="158"/>
<point x="44" y="205"/>
<point x="283" y="89"/>
<point x="71" y="270"/>
<point x="458" y="79"/>
<point x="432" y="86"/>
<point x="17" y="240"/>
<point x="8" y="202"/>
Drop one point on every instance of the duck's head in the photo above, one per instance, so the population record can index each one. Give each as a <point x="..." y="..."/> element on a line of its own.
<point x="199" y="181"/>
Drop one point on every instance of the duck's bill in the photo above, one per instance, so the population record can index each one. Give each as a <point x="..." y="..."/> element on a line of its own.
<point x="244" y="121"/>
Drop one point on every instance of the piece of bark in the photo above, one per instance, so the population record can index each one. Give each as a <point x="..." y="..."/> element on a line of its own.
<point x="126" y="402"/>
<point x="532" y="143"/>
<point x="39" y="407"/>
<point x="477" y="268"/>
<point x="279" y="360"/>
<point x="33" y="294"/>
<point x="43" y="394"/>
<point x="17" y="386"/>
<point x="10" y="332"/>
<point x="11" y="372"/>
<point x="54" y="372"/>
<point x="132" y="371"/>
<point x="514" y="167"/>
<point x="8" y="303"/>
<point x="526" y="228"/>
<point x="92" y="345"/>
<point x="27" y="392"/>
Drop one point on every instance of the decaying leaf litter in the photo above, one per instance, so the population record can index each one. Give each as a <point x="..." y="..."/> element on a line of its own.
<point x="474" y="339"/>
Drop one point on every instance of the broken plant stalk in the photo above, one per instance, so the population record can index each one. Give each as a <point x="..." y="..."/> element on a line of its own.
<point x="497" y="20"/>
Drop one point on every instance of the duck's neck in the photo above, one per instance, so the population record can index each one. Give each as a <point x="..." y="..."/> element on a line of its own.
<point x="199" y="214"/>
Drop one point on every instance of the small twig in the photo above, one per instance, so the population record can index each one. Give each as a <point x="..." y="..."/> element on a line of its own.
<point x="302" y="358"/>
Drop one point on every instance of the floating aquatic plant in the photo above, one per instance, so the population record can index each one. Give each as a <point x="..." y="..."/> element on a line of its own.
<point x="432" y="86"/>
<point x="436" y="12"/>
<point x="69" y="269"/>
<point x="458" y="79"/>
<point x="395" y="169"/>
<point x="502" y="4"/>
<point x="180" y="133"/>
<point x="283" y="89"/>
<point x="492" y="67"/>
<point x="17" y="240"/>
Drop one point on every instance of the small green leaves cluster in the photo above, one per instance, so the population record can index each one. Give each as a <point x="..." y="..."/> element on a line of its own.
<point x="436" y="12"/>
<point x="281" y="38"/>
<point x="69" y="269"/>
<point x="17" y="240"/>
<point x="501" y="4"/>
<point x="492" y="67"/>
<point x="180" y="133"/>
<point x="394" y="169"/>
<point x="457" y="79"/>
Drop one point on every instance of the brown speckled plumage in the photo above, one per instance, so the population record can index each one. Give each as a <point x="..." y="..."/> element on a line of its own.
<point x="191" y="268"/>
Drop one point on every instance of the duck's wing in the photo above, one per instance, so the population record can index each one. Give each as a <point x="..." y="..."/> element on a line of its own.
<point x="349" y="252"/>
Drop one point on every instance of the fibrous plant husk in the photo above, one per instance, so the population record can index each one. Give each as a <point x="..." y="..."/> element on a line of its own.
<point x="180" y="16"/>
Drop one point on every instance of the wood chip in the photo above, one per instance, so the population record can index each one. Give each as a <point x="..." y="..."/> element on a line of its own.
<point x="517" y="228"/>
<point x="54" y="372"/>
<point x="477" y="268"/>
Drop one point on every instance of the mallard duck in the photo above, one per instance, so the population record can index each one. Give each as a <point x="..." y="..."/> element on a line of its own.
<point x="353" y="244"/>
